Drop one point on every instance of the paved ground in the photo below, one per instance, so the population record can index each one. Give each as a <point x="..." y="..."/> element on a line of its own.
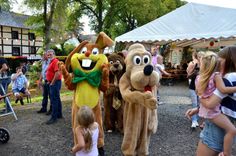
<point x="31" y="137"/>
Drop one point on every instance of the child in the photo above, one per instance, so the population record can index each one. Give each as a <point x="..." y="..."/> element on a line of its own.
<point x="160" y="66"/>
<point x="207" y="81"/>
<point x="87" y="133"/>
<point x="19" y="85"/>
<point x="160" y="69"/>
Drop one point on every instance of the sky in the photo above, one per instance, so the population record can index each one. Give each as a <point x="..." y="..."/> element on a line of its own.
<point x="19" y="7"/>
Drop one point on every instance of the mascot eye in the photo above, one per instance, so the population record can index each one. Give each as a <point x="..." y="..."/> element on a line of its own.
<point x="137" y="60"/>
<point x="83" y="50"/>
<point x="95" y="51"/>
<point x="117" y="61"/>
<point x="146" y="59"/>
<point x="111" y="62"/>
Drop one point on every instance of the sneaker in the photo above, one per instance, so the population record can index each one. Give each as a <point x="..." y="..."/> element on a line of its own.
<point x="194" y="124"/>
<point x="49" y="112"/>
<point x="160" y="103"/>
<point x="51" y="121"/>
<point x="41" y="111"/>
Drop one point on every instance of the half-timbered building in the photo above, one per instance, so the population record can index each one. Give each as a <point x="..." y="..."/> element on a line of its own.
<point x="16" y="38"/>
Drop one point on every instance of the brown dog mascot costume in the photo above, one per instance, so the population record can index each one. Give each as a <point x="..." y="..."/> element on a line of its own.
<point x="113" y="102"/>
<point x="89" y="76"/>
<point x="138" y="89"/>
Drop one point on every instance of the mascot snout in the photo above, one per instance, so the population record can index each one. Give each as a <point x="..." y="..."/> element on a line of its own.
<point x="148" y="70"/>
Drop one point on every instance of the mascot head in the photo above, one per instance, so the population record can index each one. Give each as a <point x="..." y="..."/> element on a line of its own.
<point x="88" y="57"/>
<point x="117" y="63"/>
<point x="139" y="68"/>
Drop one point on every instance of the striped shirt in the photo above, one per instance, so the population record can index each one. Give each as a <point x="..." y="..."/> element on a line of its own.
<point x="228" y="103"/>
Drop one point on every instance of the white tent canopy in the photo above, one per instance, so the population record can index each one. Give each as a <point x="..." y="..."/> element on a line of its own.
<point x="189" y="22"/>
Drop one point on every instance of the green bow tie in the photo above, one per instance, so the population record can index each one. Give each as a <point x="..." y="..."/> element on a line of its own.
<point x="93" y="78"/>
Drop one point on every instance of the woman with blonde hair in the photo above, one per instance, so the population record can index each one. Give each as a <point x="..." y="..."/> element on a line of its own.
<point x="206" y="83"/>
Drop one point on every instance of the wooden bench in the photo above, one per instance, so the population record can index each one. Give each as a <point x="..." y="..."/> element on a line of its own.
<point x="6" y="95"/>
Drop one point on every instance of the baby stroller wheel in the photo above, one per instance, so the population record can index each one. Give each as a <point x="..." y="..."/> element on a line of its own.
<point x="4" y="135"/>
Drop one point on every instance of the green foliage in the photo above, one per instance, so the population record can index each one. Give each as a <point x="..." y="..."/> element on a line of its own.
<point x="34" y="73"/>
<point x="116" y="17"/>
<point x="68" y="48"/>
<point x="5" y="4"/>
<point x="59" y="18"/>
<point x="73" y="23"/>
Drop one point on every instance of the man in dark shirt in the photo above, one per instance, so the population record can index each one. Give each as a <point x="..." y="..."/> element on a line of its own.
<point x="4" y="74"/>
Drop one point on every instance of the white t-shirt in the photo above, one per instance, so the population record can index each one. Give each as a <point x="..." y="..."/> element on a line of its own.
<point x="159" y="68"/>
<point x="228" y="103"/>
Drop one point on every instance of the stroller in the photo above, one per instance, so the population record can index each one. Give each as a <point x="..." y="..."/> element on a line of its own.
<point x="4" y="135"/>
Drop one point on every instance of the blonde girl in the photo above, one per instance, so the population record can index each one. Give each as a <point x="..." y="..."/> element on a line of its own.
<point x="86" y="133"/>
<point x="207" y="81"/>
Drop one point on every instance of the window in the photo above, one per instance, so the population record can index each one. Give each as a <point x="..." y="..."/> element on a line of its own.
<point x="14" y="35"/>
<point x="32" y="50"/>
<point x="15" y="51"/>
<point x="31" y="36"/>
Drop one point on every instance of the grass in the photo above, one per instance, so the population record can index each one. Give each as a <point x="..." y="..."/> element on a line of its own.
<point x="36" y="96"/>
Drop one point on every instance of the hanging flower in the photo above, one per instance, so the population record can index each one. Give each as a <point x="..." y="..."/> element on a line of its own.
<point x="212" y="42"/>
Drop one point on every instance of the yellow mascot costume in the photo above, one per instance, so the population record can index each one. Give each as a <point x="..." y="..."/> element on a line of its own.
<point x="86" y="71"/>
<point x="138" y="89"/>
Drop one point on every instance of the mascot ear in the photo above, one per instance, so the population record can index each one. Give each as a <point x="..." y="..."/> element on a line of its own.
<point x="121" y="54"/>
<point x="77" y="49"/>
<point x="107" y="55"/>
<point x="104" y="41"/>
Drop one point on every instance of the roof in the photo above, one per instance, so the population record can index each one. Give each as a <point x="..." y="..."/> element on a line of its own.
<point x="191" y="21"/>
<point x="13" y="19"/>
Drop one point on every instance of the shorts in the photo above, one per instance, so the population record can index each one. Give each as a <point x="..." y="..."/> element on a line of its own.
<point x="213" y="136"/>
<point x="18" y="91"/>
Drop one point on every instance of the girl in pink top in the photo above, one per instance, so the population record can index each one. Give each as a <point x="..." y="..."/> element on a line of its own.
<point x="86" y="133"/>
<point x="207" y="81"/>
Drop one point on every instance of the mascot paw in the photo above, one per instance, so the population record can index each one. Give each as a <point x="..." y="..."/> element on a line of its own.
<point x="151" y="103"/>
<point x="105" y="68"/>
<point x="61" y="65"/>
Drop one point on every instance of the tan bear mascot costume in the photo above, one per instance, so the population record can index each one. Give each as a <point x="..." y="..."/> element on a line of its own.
<point x="113" y="102"/>
<point x="90" y="75"/>
<point x="138" y="89"/>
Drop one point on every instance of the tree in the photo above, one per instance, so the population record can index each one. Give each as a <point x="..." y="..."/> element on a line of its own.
<point x="45" y="13"/>
<point x="116" y="17"/>
<point x="5" y="5"/>
<point x="139" y="12"/>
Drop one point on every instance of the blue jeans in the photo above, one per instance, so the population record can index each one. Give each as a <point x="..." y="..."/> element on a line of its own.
<point x="213" y="136"/>
<point x="55" y="100"/>
<point x="194" y="100"/>
<point x="5" y="84"/>
<point x="45" y="97"/>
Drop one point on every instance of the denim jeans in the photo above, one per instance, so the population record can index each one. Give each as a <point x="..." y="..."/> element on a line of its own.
<point x="5" y="83"/>
<point x="194" y="100"/>
<point x="213" y="136"/>
<point x="45" y="97"/>
<point x="55" y="100"/>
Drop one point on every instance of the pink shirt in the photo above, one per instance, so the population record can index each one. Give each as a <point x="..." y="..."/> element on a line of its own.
<point x="203" y="111"/>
